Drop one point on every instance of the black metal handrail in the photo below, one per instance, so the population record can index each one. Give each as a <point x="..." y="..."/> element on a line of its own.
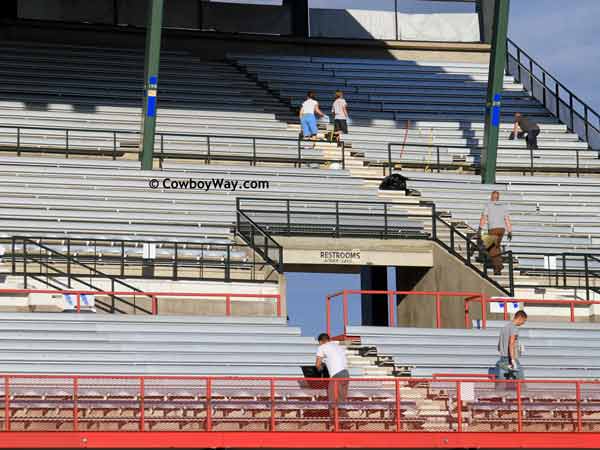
<point x="162" y="153"/>
<point x="284" y="217"/>
<point x="439" y="166"/>
<point x="249" y="232"/>
<point x="41" y="259"/>
<point x="125" y="265"/>
<point x="528" y="71"/>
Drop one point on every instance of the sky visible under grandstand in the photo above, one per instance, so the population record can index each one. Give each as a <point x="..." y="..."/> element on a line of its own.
<point x="564" y="37"/>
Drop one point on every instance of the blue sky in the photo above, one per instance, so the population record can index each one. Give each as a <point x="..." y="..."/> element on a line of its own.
<point x="562" y="35"/>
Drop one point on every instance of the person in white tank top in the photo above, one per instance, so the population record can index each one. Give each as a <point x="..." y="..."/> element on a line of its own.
<point x="308" y="119"/>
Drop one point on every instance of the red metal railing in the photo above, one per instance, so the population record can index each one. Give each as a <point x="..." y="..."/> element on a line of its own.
<point x="57" y="403"/>
<point x="485" y="301"/>
<point x="391" y="301"/>
<point x="154" y="297"/>
<point x="468" y="297"/>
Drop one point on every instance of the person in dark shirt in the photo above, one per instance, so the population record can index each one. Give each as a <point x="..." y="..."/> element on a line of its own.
<point x="526" y="128"/>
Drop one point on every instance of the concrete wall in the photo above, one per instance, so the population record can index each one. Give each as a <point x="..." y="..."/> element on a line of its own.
<point x="449" y="275"/>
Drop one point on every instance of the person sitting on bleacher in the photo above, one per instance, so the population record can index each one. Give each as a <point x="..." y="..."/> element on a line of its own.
<point x="333" y="356"/>
<point x="509" y="367"/>
<point x="526" y="128"/>
<point x="308" y="120"/>
<point x="339" y="109"/>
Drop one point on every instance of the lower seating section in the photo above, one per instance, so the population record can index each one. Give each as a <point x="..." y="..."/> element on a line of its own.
<point x="167" y="345"/>
<point x="188" y="404"/>
<point x="552" y="350"/>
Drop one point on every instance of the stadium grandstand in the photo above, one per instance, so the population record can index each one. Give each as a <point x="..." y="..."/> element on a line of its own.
<point x="158" y="186"/>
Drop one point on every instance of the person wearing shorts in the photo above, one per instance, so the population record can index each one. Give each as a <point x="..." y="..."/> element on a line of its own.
<point x="308" y="119"/>
<point x="339" y="110"/>
<point x="333" y="356"/>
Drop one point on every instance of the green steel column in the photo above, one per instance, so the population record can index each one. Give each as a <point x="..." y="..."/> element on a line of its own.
<point x="494" y="92"/>
<point x="153" y="36"/>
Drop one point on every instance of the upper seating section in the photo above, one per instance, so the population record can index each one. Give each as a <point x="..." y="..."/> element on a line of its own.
<point x="552" y="350"/>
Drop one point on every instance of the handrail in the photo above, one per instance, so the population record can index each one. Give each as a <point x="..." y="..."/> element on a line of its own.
<point x="381" y="214"/>
<point x="70" y="276"/>
<point x="154" y="296"/>
<point x="173" y="261"/>
<point x="162" y="154"/>
<point x="316" y="405"/>
<point x="529" y="66"/>
<point x="533" y="167"/>
<point x="249" y="238"/>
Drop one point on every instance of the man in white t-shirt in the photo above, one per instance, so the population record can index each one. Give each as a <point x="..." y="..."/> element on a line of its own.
<point x="333" y="356"/>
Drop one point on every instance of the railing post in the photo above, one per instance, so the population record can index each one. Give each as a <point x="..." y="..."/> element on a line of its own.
<point x="389" y="158"/>
<point x="587" y="277"/>
<point x="254" y="151"/>
<point x="345" y="307"/>
<point x="6" y="403"/>
<point x="18" y="141"/>
<point x="176" y="261"/>
<point x="586" y="123"/>
<point x="343" y="155"/>
<point x="272" y="382"/>
<point x="437" y="147"/>
<point x="531" y="76"/>
<point x="572" y="311"/>
<point x="519" y="407"/>
<point x="506" y="309"/>
<point x="228" y="305"/>
<point x="208" y="404"/>
<point x="578" y="399"/>
<point x="511" y="274"/>
<point x="392" y="321"/>
<point x="142" y="394"/>
<point x="328" y="314"/>
<point x="122" y="258"/>
<point x="69" y="263"/>
<point x="336" y="411"/>
<point x="114" y="152"/>
<point x="208" y="149"/>
<point x="577" y="160"/>
<point x="544" y="88"/>
<point x="433" y="221"/>
<point x="25" y="256"/>
<point x="518" y="64"/>
<point x="398" y="407"/>
<point x="228" y="264"/>
<point x="278" y="300"/>
<point x="458" y="408"/>
<point x="299" y="153"/>
<point x="75" y="404"/>
<point x="13" y="256"/>
<point x="78" y="297"/>
<point x="154" y="305"/>
<point x="438" y="312"/>
<point x="385" y="221"/>
<point x="337" y="218"/>
<point x="67" y="143"/>
<point x="571" y="111"/>
<point x="557" y="94"/>
<point x="452" y="238"/>
<point x="484" y="304"/>
<point x="564" y="267"/>
<point x="288" y="216"/>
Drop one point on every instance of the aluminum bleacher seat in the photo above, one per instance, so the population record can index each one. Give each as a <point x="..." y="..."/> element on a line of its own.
<point x="552" y="350"/>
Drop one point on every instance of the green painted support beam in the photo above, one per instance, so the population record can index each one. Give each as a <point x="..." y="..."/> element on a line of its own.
<point x="494" y="92"/>
<point x="152" y="63"/>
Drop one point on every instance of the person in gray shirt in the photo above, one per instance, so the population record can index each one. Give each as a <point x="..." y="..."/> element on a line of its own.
<point x="508" y="346"/>
<point x="497" y="218"/>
